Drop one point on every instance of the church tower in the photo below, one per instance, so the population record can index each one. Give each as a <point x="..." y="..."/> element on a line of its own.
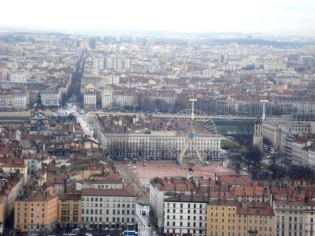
<point x="38" y="116"/>
<point x="258" y="137"/>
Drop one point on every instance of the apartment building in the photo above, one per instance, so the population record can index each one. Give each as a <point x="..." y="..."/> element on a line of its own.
<point x="99" y="62"/>
<point x="255" y="219"/>
<point x="20" y="100"/>
<point x="117" y="63"/>
<point x="50" y="98"/>
<point x="9" y="192"/>
<point x="110" y="79"/>
<point x="124" y="99"/>
<point x="185" y="215"/>
<point x="107" y="97"/>
<point x="22" y="76"/>
<point x="294" y="217"/>
<point x="221" y="218"/>
<point x="35" y="212"/>
<point x="6" y="100"/>
<point x="69" y="209"/>
<point x="158" y="194"/>
<point x="311" y="157"/>
<point x="89" y="97"/>
<point x="107" y="208"/>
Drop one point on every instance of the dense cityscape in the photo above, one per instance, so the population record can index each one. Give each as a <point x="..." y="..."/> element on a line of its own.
<point x="155" y="133"/>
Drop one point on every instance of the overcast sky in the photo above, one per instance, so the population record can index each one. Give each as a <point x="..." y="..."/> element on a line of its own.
<point x="247" y="16"/>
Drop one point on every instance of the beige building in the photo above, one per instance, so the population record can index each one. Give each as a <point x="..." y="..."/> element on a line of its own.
<point x="69" y="209"/>
<point x="255" y="219"/>
<point x="232" y="218"/>
<point x="221" y="218"/>
<point x="35" y="212"/>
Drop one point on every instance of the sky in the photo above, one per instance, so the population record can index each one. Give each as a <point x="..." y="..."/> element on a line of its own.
<point x="204" y="16"/>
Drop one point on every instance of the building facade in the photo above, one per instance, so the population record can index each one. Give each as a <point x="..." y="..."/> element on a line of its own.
<point x="111" y="208"/>
<point x="69" y="209"/>
<point x="221" y="218"/>
<point x="185" y="215"/>
<point x="35" y="212"/>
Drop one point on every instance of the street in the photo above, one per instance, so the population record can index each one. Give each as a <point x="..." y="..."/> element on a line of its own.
<point x="133" y="182"/>
<point x="143" y="222"/>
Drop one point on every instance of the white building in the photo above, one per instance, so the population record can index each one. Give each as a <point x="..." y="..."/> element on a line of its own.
<point x="290" y="218"/>
<point x="117" y="63"/>
<point x="89" y="97"/>
<point x="159" y="144"/>
<point x="99" y="62"/>
<point x="125" y="99"/>
<point x="311" y="158"/>
<point x="19" y="76"/>
<point x="162" y="192"/>
<point x="111" y="79"/>
<point x="20" y="100"/>
<point x="111" y="208"/>
<point x="32" y="164"/>
<point x="309" y="219"/>
<point x="50" y="98"/>
<point x="107" y="98"/>
<point x="185" y="215"/>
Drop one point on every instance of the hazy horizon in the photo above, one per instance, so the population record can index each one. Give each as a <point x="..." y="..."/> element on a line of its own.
<point x="199" y="16"/>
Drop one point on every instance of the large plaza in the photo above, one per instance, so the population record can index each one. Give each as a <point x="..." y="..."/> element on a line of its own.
<point x="163" y="169"/>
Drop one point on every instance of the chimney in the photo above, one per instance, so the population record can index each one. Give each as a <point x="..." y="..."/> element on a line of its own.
<point x="65" y="185"/>
<point x="305" y="200"/>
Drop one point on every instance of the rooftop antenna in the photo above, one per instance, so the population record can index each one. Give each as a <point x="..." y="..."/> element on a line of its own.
<point x="192" y="100"/>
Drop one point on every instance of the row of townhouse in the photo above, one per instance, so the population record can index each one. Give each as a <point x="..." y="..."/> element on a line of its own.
<point x="189" y="215"/>
<point x="20" y="100"/>
<point x="235" y="187"/>
<point x="185" y="208"/>
<point x="97" y="206"/>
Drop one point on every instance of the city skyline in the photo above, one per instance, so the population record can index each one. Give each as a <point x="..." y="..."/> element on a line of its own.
<point x="285" y="17"/>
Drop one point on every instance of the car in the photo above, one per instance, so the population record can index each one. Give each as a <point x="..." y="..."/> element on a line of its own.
<point x="76" y="230"/>
<point x="149" y="225"/>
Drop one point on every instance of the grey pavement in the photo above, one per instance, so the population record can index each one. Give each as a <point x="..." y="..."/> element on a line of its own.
<point x="133" y="182"/>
